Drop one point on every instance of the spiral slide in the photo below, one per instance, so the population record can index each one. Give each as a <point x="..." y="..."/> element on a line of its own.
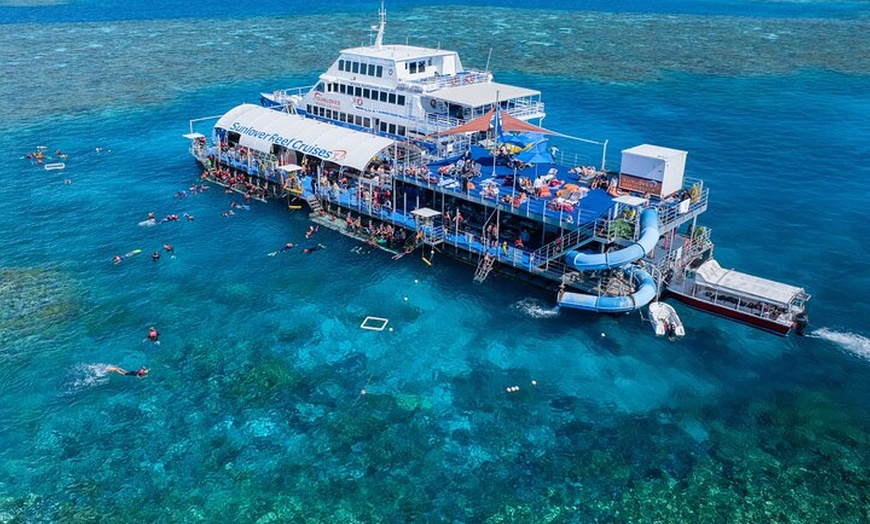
<point x="649" y="235"/>
<point x="646" y="286"/>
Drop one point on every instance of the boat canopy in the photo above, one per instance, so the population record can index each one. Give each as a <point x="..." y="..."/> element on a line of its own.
<point x="500" y="119"/>
<point x="260" y="129"/>
<point x="712" y="275"/>
<point x="481" y="94"/>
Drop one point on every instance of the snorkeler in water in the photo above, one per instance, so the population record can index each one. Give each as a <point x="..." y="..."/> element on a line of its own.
<point x="153" y="335"/>
<point x="312" y="249"/>
<point x="140" y="373"/>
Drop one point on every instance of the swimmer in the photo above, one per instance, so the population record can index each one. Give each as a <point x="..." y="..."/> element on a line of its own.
<point x="288" y="245"/>
<point x="168" y="248"/>
<point x="117" y="259"/>
<point x="141" y="372"/>
<point x="312" y="249"/>
<point x="155" y="256"/>
<point x="153" y="335"/>
<point x="311" y="231"/>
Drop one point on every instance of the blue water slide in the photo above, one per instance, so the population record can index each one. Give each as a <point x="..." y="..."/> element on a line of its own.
<point x="649" y="235"/>
<point x="646" y="291"/>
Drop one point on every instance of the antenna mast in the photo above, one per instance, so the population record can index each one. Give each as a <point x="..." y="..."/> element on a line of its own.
<point x="382" y="22"/>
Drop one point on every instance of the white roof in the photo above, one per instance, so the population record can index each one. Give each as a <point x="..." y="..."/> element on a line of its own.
<point x="396" y="52"/>
<point x="651" y="151"/>
<point x="260" y="128"/>
<point x="481" y="94"/>
<point x="425" y="212"/>
<point x="713" y="275"/>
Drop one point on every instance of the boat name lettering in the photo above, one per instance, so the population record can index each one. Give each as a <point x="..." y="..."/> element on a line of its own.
<point x="331" y="103"/>
<point x="296" y="144"/>
<point x="641" y="185"/>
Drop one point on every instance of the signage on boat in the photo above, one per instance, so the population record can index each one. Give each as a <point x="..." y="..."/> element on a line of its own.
<point x="297" y="144"/>
<point x="639" y="185"/>
<point x="325" y="101"/>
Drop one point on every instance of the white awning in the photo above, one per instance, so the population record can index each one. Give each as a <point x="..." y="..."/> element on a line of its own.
<point x="193" y="136"/>
<point x="261" y="128"/>
<point x="290" y="168"/>
<point x="711" y="274"/>
<point x="479" y="95"/>
<point x="425" y="212"/>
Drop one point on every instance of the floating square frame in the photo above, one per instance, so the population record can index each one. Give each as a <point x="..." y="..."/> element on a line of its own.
<point x="374" y="323"/>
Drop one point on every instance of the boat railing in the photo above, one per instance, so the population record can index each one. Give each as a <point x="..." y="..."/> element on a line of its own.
<point x="563" y="219"/>
<point x="437" y="82"/>
<point x="674" y="212"/>
<point x="564" y="243"/>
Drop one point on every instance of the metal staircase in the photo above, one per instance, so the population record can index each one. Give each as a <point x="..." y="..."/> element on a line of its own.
<point x="561" y="245"/>
<point x="314" y="204"/>
<point x="484" y="267"/>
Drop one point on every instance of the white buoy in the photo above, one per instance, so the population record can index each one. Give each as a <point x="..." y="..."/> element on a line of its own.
<point x="603" y="335"/>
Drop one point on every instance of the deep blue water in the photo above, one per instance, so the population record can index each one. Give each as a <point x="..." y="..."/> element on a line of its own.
<point x="253" y="410"/>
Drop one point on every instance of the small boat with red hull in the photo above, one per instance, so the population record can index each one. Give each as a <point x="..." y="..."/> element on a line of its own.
<point x="765" y="304"/>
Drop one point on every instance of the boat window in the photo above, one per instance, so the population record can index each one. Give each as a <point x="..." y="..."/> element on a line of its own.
<point x="319" y="87"/>
<point x="413" y="67"/>
<point x="379" y="71"/>
<point x="384" y="127"/>
<point x="383" y="96"/>
<point x="341" y="65"/>
<point x="392" y="98"/>
<point x="367" y="93"/>
<point x="401" y="100"/>
<point x="402" y="130"/>
<point x="341" y="88"/>
<point x="367" y="122"/>
<point x="355" y="67"/>
<point x="357" y="120"/>
<point x="392" y="129"/>
<point x="430" y="61"/>
<point x="371" y="69"/>
<point x="421" y="67"/>
<point x="357" y="91"/>
<point x="329" y="113"/>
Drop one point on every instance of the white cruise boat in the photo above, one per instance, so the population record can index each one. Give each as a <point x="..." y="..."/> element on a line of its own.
<point x="404" y="92"/>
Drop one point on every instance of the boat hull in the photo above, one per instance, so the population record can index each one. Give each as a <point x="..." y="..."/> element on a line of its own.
<point x="744" y="318"/>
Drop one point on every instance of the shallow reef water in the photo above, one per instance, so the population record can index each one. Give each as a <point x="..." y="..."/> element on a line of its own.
<point x="479" y="403"/>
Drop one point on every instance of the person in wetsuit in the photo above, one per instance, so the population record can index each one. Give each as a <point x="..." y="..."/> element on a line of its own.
<point x="140" y="373"/>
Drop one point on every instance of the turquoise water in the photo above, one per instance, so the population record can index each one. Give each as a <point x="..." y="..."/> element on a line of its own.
<point x="254" y="411"/>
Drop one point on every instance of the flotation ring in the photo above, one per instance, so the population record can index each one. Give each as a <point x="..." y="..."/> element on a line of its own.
<point x="454" y="81"/>
<point x="699" y="232"/>
<point x="433" y="103"/>
<point x="694" y="193"/>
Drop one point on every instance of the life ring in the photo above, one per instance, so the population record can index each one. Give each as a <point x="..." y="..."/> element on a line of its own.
<point x="699" y="232"/>
<point x="454" y="81"/>
<point x="694" y="193"/>
<point x="358" y="101"/>
<point x="433" y="103"/>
